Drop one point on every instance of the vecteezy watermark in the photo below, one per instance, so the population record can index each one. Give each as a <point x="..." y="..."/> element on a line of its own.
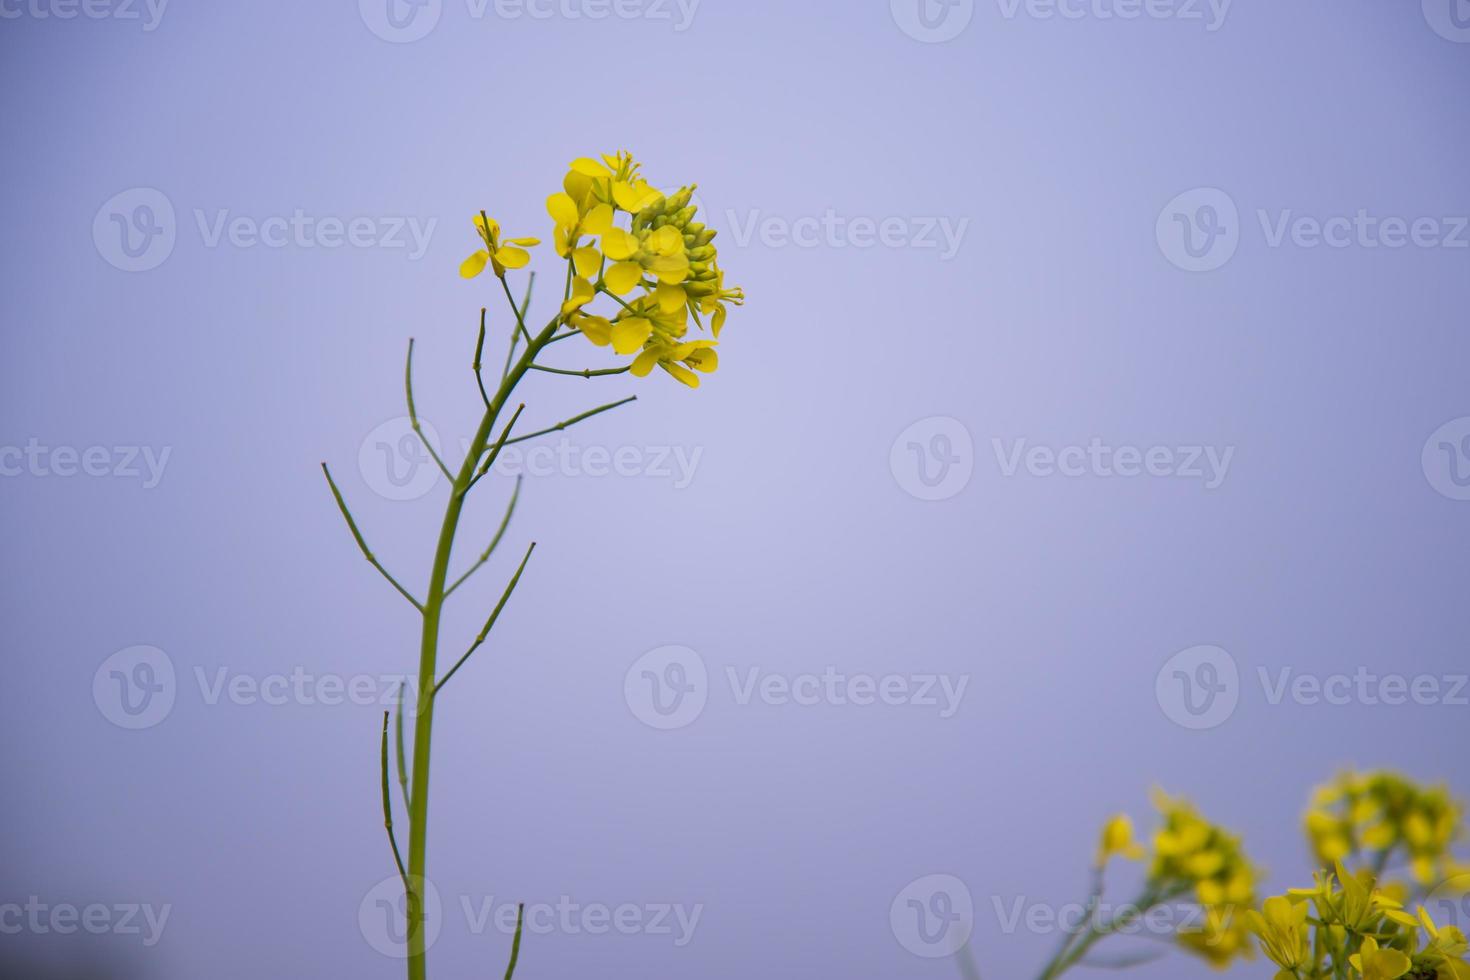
<point x="668" y="688"/>
<point x="137" y="688"/>
<point x="932" y="21"/>
<point x="1446" y="459"/>
<point x="941" y="234"/>
<point x="136" y="230"/>
<point x="933" y="916"/>
<point x="405" y="21"/>
<point x="1449" y="902"/>
<point x="149" y="13"/>
<point x="934" y="458"/>
<point x="1198" y="688"/>
<point x="1207" y="464"/>
<point x="1210" y="13"/>
<point x="1018" y="913"/>
<point x="40" y="918"/>
<point x="382" y="917"/>
<point x="143" y="463"/>
<point x="1450" y="19"/>
<point x="394" y="462"/>
<point x="1201" y="687"/>
<point x="1200" y="230"/>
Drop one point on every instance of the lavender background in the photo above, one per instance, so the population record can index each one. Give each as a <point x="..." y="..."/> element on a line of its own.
<point x="796" y="546"/>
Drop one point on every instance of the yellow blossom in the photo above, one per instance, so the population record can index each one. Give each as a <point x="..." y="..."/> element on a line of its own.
<point x="500" y="255"/>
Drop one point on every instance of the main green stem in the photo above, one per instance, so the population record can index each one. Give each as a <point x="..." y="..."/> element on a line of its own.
<point x="429" y="653"/>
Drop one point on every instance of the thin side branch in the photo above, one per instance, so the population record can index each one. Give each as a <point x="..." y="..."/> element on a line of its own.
<point x="489" y="623"/>
<point x="520" y="318"/>
<point x="402" y="756"/>
<point x="499" y="533"/>
<point x="479" y="350"/>
<point x="495" y="449"/>
<point x="515" y="336"/>
<point x="388" y="811"/>
<point x="585" y="373"/>
<point x="573" y="420"/>
<point x="362" y="544"/>
<point x="413" y="415"/>
<point x="515" y="943"/>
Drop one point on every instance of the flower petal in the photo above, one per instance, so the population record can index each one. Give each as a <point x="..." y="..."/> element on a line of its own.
<point x="682" y="373"/>
<point x="598" y="220"/>
<point x="512" y="258"/>
<point x="563" y="209"/>
<point x="618" y="245"/>
<point x="589" y="167"/>
<point x="596" y="329"/>
<point x="587" y="261"/>
<point x="474" y="265"/>
<point x="643" y="363"/>
<point x="670" y="297"/>
<point x="622" y="277"/>
<point x="628" y="335"/>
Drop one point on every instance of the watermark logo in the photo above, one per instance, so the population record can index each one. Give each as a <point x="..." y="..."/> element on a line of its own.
<point x="1211" y="13"/>
<point x="405" y="21"/>
<point x="401" y="21"/>
<point x="34" y="459"/>
<point x="1449" y="18"/>
<point x="135" y="230"/>
<point x="1199" y="688"/>
<point x="1199" y="230"/>
<point x="41" y="918"/>
<point x="1207" y="464"/>
<point x="1449" y="903"/>
<point x="932" y="21"/>
<point x="394" y="462"/>
<point x="939" y="233"/>
<point x="135" y="688"/>
<point x="383" y="919"/>
<point x="667" y="688"/>
<point x="148" y="12"/>
<point x="934" y="458"/>
<point x="1446" y="459"/>
<point x="933" y="916"/>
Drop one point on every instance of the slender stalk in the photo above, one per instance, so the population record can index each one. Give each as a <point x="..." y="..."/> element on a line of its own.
<point x="515" y="943"/>
<point x="429" y="645"/>
<point x="494" y="542"/>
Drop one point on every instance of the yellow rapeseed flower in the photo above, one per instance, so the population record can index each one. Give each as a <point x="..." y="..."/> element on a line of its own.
<point x="500" y="255"/>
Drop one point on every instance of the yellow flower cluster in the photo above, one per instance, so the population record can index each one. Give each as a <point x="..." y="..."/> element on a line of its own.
<point x="1378" y="815"/>
<point x="1346" y="926"/>
<point x="643" y="250"/>
<point x="1193" y="855"/>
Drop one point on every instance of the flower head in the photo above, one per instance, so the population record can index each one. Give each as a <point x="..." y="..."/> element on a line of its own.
<point x="1383" y="812"/>
<point x="1117" y="838"/>
<point x="500" y="255"/>
<point x="1373" y="963"/>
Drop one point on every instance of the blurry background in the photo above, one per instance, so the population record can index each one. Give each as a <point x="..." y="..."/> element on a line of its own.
<point x="1126" y="261"/>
